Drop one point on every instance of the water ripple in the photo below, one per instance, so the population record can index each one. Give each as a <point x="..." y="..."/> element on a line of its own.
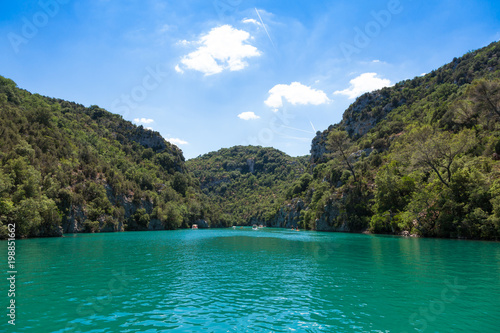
<point x="256" y="281"/>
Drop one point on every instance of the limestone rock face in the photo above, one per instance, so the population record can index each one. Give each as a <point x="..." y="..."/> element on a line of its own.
<point x="155" y="224"/>
<point x="52" y="232"/>
<point x="328" y="220"/>
<point x="361" y="116"/>
<point x="318" y="146"/>
<point x="202" y="224"/>
<point x="77" y="215"/>
<point x="74" y="220"/>
<point x="289" y="215"/>
<point x="251" y="164"/>
<point x="149" y="139"/>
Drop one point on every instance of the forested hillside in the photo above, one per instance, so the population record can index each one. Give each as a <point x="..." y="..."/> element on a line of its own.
<point x="249" y="183"/>
<point x="418" y="158"/>
<point x="421" y="157"/>
<point x="68" y="168"/>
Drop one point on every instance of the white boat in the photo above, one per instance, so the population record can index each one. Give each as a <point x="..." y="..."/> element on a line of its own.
<point x="195" y="226"/>
<point x="234" y="227"/>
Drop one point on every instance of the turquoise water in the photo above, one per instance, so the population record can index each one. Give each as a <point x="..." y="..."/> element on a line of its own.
<point x="271" y="280"/>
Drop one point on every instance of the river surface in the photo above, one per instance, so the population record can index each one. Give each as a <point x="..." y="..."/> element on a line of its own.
<point x="270" y="280"/>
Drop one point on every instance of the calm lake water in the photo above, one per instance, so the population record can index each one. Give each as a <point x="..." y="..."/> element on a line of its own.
<point x="271" y="280"/>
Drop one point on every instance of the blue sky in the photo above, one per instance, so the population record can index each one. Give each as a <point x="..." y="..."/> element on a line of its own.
<point x="218" y="73"/>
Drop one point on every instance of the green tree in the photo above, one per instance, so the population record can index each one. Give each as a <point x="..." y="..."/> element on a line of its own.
<point x="465" y="114"/>
<point x="486" y="97"/>
<point x="180" y="183"/>
<point x="340" y="143"/>
<point x="438" y="150"/>
<point x="141" y="218"/>
<point x="393" y="190"/>
<point x="172" y="216"/>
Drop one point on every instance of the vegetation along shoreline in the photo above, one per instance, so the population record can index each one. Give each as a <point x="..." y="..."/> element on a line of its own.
<point x="421" y="158"/>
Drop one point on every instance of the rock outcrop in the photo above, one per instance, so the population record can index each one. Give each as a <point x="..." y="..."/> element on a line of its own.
<point x="361" y="116"/>
<point x="289" y="215"/>
<point x="328" y="221"/>
<point x="251" y="164"/>
<point x="148" y="139"/>
<point x="77" y="215"/>
<point x="318" y="146"/>
<point x="73" y="222"/>
<point x="156" y="224"/>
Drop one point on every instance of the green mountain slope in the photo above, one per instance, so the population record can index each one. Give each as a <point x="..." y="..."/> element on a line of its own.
<point x="423" y="99"/>
<point x="420" y="157"/>
<point x="248" y="183"/>
<point x="68" y="168"/>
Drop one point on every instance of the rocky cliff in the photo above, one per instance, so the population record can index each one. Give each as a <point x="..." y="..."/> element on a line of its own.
<point x="361" y="116"/>
<point x="77" y="218"/>
<point x="288" y="216"/>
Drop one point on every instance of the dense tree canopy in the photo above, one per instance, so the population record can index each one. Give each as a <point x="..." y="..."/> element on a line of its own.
<point x="65" y="167"/>
<point x="249" y="183"/>
<point x="420" y="157"/>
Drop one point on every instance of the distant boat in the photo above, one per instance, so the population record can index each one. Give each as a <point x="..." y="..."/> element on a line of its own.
<point x="195" y="226"/>
<point x="234" y="227"/>
<point x="261" y="226"/>
<point x="255" y="227"/>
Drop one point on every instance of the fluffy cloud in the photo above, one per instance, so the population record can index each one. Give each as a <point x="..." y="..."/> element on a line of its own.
<point x="295" y="93"/>
<point x="143" y="121"/>
<point x="364" y="83"/>
<point x="248" y="116"/>
<point x="222" y="48"/>
<point x="177" y="141"/>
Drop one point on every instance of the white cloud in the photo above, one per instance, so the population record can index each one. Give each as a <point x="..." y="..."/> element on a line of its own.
<point x="295" y="93"/>
<point x="376" y="61"/>
<point x="252" y="21"/>
<point x="143" y="121"/>
<point x="178" y="69"/>
<point x="248" y="116"/>
<point x="222" y="48"/>
<point x="177" y="141"/>
<point x="364" y="83"/>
